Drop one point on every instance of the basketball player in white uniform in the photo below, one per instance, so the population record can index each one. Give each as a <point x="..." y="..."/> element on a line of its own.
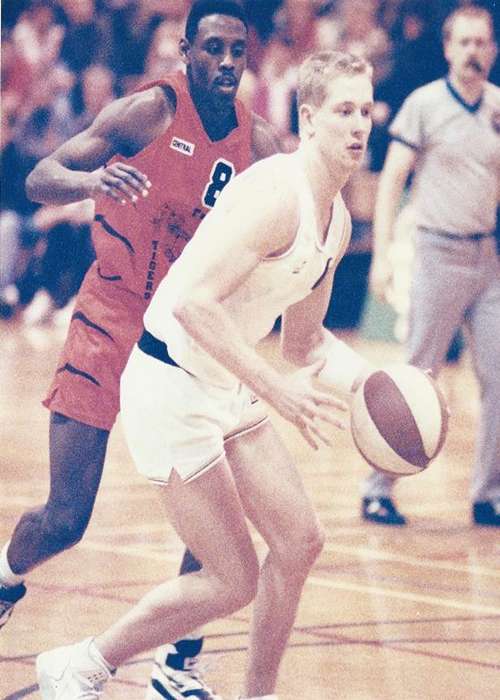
<point x="269" y="248"/>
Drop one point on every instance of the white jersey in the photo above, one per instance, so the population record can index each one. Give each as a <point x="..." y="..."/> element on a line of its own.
<point x="275" y="284"/>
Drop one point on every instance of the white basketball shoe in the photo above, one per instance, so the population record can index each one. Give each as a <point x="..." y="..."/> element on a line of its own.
<point x="168" y="683"/>
<point x="71" y="673"/>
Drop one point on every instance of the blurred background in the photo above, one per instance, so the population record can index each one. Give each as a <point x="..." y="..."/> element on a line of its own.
<point x="63" y="60"/>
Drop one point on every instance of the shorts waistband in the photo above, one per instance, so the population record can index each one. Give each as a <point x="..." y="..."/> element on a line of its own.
<point x="155" y="348"/>
<point x="458" y="236"/>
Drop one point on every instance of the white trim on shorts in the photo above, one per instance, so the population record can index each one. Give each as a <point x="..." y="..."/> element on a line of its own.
<point x="243" y="431"/>
<point x="191" y="477"/>
<point x="194" y="475"/>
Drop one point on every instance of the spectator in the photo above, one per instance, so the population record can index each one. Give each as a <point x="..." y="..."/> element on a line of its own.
<point x="85" y="38"/>
<point x="418" y="58"/>
<point x="360" y="33"/>
<point x="94" y="90"/>
<point x="37" y="38"/>
<point x="163" y="54"/>
<point x="296" y="33"/>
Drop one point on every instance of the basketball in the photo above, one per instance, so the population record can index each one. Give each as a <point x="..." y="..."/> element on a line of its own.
<point x="399" y="419"/>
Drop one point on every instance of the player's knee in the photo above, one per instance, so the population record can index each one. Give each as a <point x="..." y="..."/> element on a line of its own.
<point x="64" y="528"/>
<point x="301" y="549"/>
<point x="239" y="587"/>
<point x="244" y="592"/>
<point x="237" y="597"/>
<point x="310" y="543"/>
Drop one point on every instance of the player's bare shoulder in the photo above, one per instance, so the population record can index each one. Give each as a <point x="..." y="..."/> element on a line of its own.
<point x="265" y="139"/>
<point x="135" y="120"/>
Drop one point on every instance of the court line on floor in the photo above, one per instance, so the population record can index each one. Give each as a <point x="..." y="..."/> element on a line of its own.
<point x="334" y="642"/>
<point x="367" y="553"/>
<point x="358" y="552"/>
<point x="317" y="581"/>
<point x="403" y="595"/>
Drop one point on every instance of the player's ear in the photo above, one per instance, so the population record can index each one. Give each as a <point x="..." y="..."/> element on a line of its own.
<point x="494" y="52"/>
<point x="306" y="119"/>
<point x="184" y="50"/>
<point x="446" y="51"/>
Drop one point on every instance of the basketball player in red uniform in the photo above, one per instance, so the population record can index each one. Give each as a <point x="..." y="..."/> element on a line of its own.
<point x="155" y="162"/>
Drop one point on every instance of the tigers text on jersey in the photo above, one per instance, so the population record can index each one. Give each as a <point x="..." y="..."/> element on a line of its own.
<point x="136" y="244"/>
<point x="273" y="285"/>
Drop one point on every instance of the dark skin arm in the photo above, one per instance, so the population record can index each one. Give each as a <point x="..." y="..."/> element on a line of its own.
<point x="78" y="169"/>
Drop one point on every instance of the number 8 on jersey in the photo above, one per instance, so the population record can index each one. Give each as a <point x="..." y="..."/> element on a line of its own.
<point x="222" y="172"/>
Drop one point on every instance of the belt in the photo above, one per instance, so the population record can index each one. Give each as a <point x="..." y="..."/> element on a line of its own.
<point x="155" y="348"/>
<point x="458" y="236"/>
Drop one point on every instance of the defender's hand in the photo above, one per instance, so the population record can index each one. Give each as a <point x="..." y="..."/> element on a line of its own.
<point x="121" y="182"/>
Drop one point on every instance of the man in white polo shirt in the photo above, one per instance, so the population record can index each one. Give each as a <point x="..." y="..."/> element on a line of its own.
<point x="448" y="133"/>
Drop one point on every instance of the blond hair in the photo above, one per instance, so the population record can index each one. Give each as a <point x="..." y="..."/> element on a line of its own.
<point x="467" y="11"/>
<point x="320" y="68"/>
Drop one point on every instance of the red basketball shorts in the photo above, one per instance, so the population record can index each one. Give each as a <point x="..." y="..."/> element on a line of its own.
<point x="106" y="323"/>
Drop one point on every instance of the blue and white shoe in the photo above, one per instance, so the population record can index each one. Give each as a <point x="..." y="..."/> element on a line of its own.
<point x="8" y="598"/>
<point x="168" y="683"/>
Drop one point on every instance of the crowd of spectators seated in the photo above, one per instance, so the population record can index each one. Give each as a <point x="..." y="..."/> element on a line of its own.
<point x="63" y="60"/>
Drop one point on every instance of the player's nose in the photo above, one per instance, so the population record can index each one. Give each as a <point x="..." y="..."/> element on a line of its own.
<point x="360" y="126"/>
<point x="227" y="60"/>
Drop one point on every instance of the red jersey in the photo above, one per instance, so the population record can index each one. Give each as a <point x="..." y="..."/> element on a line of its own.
<point x="135" y="246"/>
<point x="138" y="243"/>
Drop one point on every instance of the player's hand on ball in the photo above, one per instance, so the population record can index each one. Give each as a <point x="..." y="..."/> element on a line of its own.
<point x="121" y="182"/>
<point x="303" y="405"/>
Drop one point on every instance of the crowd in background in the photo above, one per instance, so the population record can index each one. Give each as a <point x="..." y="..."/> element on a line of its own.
<point x="64" y="60"/>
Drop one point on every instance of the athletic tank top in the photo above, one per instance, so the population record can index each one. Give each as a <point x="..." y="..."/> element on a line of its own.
<point x="275" y="284"/>
<point x="136" y="244"/>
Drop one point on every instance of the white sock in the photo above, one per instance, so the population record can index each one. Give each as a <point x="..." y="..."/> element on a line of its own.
<point x="195" y="634"/>
<point x="7" y="577"/>
<point x="89" y="662"/>
<point x="96" y="655"/>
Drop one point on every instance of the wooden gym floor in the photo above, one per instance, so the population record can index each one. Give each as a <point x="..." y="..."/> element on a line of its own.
<point x="387" y="614"/>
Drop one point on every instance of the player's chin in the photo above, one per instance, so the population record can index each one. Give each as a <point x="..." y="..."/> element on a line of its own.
<point x="354" y="161"/>
<point x="471" y="73"/>
<point x="356" y="155"/>
<point x="225" y="93"/>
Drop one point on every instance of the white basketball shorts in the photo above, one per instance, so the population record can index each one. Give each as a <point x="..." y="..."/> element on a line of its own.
<point x="172" y="420"/>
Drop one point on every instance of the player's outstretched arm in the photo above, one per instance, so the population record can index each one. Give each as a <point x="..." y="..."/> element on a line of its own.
<point x="79" y="168"/>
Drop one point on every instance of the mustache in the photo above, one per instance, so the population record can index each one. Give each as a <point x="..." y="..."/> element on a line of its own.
<point x="475" y="65"/>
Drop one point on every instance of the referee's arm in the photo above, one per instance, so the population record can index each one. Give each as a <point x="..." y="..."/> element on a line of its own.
<point x="399" y="162"/>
